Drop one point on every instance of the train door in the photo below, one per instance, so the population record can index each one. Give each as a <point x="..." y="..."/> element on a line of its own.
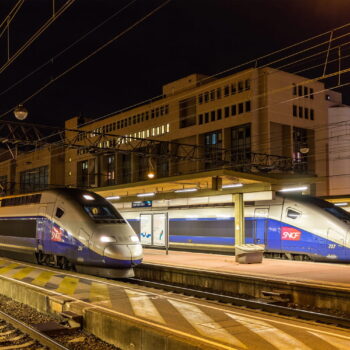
<point x="154" y="229"/>
<point x="261" y="222"/>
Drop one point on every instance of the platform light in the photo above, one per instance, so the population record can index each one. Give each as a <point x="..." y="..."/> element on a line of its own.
<point x="147" y="194"/>
<point x="88" y="197"/>
<point x="294" y="189"/>
<point x="113" y="198"/>
<point x="151" y="175"/>
<point x="341" y="204"/>
<point x="186" y="190"/>
<point x="232" y="185"/>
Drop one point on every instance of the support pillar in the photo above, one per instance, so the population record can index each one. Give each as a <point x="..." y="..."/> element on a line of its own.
<point x="239" y="218"/>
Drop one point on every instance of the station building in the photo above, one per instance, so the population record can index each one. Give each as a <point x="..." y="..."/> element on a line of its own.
<point x="254" y="112"/>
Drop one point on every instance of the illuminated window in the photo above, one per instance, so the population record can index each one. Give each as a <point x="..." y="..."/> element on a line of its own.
<point x="168" y="128"/>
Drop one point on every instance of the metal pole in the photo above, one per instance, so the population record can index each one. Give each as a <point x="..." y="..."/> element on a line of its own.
<point x="239" y="218"/>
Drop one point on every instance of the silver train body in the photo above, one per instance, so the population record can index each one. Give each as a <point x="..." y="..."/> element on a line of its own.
<point x="293" y="227"/>
<point x="69" y="228"/>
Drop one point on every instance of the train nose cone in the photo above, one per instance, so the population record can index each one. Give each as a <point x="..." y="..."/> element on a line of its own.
<point x="131" y="252"/>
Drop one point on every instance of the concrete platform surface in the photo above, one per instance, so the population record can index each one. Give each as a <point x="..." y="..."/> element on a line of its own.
<point x="134" y="317"/>
<point x="328" y="274"/>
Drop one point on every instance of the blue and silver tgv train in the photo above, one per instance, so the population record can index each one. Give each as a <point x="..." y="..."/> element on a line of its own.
<point x="69" y="228"/>
<point x="293" y="227"/>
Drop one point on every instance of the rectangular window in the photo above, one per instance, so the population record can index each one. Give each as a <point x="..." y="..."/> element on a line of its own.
<point x="166" y="109"/>
<point x="247" y="106"/>
<point x="212" y="116"/>
<point x="294" y="89"/>
<point x="306" y="113"/>
<point x="200" y="99"/>
<point x="240" y="86"/>
<point x="233" y="88"/>
<point x="218" y="93"/>
<point x="306" y="92"/>
<point x="300" y="112"/>
<point x="219" y="114"/>
<point x="146" y="115"/>
<point x="295" y="113"/>
<point x="212" y="95"/>
<point x="300" y="90"/>
<point x="206" y="117"/>
<point x="227" y="112"/>
<point x="247" y="84"/>
<point x="311" y="93"/>
<point x="200" y="119"/>
<point x="206" y="97"/>
<point x="129" y="121"/>
<point x="134" y="119"/>
<point x="118" y="125"/>
<point x="157" y="112"/>
<point x="312" y="114"/>
<point x="161" y="110"/>
<point x="152" y="113"/>
<point x="226" y="90"/>
<point x="187" y="112"/>
<point x="240" y="108"/>
<point x="233" y="110"/>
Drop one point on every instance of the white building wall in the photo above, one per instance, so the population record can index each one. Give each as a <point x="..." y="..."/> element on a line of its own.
<point x="339" y="150"/>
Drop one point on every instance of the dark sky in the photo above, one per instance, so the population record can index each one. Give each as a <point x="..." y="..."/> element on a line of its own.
<point x="186" y="36"/>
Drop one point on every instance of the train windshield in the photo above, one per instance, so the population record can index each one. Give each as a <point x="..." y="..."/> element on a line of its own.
<point x="340" y="213"/>
<point x="101" y="212"/>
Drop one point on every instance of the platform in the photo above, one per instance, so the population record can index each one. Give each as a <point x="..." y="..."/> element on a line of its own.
<point x="133" y="317"/>
<point x="327" y="274"/>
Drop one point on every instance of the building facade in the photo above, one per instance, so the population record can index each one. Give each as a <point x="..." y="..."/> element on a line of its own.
<point x="250" y="113"/>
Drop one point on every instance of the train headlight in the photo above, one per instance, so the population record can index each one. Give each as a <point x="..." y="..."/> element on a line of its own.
<point x="107" y="239"/>
<point x="135" y="239"/>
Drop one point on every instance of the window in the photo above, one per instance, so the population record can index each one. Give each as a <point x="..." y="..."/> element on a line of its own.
<point x="311" y="93"/>
<point x="200" y="99"/>
<point x="233" y="88"/>
<point x="293" y="214"/>
<point x="59" y="212"/>
<point x="166" y="109"/>
<point x="200" y="119"/>
<point x="312" y="114"/>
<point x="206" y="97"/>
<point x="212" y="149"/>
<point x="295" y="114"/>
<point x="187" y="112"/>
<point x="226" y="90"/>
<point x="233" y="110"/>
<point x="34" y="179"/>
<point x="306" y="113"/>
<point x="218" y="93"/>
<point x="219" y="114"/>
<point x="300" y="90"/>
<point x="241" y="146"/>
<point x="300" y="112"/>
<point x="247" y="106"/>
<point x="306" y="92"/>
<point x="294" y="89"/>
<point x="101" y="212"/>
<point x="227" y="112"/>
<point x="152" y="113"/>
<point x="212" y="116"/>
<point x="212" y="95"/>
<point x="247" y="84"/>
<point x="206" y="117"/>
<point x="240" y="86"/>
<point x="240" y="108"/>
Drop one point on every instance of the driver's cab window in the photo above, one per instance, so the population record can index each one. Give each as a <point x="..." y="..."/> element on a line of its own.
<point x="293" y="214"/>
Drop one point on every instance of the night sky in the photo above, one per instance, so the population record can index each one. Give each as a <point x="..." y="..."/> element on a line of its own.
<point x="186" y="36"/>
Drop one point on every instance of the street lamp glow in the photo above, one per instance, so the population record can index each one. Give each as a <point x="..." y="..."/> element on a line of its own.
<point x="20" y="112"/>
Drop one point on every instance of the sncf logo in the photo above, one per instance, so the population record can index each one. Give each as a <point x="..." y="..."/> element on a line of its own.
<point x="290" y="234"/>
<point x="56" y="234"/>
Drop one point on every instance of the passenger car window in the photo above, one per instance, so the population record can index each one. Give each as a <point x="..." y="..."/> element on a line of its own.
<point x="292" y="214"/>
<point x="59" y="212"/>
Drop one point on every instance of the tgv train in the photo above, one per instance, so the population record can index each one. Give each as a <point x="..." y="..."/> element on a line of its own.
<point x="290" y="227"/>
<point x="69" y="228"/>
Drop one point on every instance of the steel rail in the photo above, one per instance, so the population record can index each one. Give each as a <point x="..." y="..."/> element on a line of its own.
<point x="249" y="303"/>
<point x="32" y="332"/>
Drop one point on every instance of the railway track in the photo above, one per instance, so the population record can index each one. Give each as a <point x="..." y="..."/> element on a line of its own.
<point x="15" y="334"/>
<point x="270" y="306"/>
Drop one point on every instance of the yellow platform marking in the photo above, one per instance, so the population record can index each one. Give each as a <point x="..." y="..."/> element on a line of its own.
<point x="143" y="306"/>
<point x="200" y="321"/>
<point x="43" y="278"/>
<point x="340" y="344"/>
<point x="98" y="292"/>
<point x="273" y="335"/>
<point x="68" y="285"/>
<point x="20" y="346"/>
<point x="8" y="268"/>
<point x="23" y="273"/>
